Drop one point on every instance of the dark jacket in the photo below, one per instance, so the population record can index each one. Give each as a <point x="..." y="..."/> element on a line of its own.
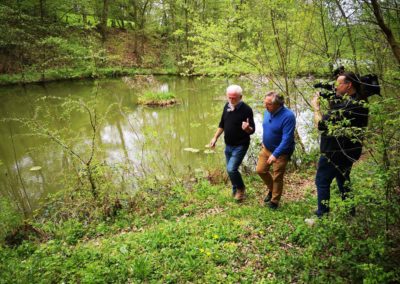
<point x="343" y="130"/>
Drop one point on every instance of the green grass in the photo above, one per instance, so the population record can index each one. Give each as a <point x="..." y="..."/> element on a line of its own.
<point x="200" y="235"/>
<point x="176" y="234"/>
<point x="74" y="73"/>
<point x="157" y="98"/>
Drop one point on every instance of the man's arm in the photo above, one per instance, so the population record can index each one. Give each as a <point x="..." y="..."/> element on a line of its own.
<point x="289" y="126"/>
<point x="216" y="136"/>
<point x="246" y="127"/>
<point x="248" y="124"/>
<point x="252" y="124"/>
<point x="220" y="129"/>
<point x="317" y="109"/>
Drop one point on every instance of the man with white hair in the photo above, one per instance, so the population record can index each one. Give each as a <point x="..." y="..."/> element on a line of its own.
<point x="238" y="124"/>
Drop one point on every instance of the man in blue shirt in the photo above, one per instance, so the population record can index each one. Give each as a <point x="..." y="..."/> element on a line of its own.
<point x="277" y="146"/>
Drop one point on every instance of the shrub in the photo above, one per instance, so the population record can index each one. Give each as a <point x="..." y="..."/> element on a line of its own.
<point x="157" y="98"/>
<point x="10" y="217"/>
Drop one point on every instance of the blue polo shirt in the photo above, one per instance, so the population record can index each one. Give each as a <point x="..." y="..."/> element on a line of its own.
<point x="278" y="131"/>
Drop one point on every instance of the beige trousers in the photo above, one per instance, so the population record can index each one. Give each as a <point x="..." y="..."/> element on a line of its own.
<point x="273" y="181"/>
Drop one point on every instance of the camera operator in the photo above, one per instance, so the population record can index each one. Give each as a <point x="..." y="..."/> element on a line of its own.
<point x="341" y="136"/>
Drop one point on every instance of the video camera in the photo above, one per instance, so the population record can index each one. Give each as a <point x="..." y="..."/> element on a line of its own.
<point x="327" y="86"/>
<point x="369" y="85"/>
<point x="331" y="85"/>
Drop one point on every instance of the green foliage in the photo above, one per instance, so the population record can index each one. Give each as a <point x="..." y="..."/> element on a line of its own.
<point x="187" y="232"/>
<point x="171" y="233"/>
<point x="274" y="38"/>
<point x="245" y="40"/>
<point x="71" y="231"/>
<point x="10" y="217"/>
<point x="158" y="96"/>
<point x="62" y="38"/>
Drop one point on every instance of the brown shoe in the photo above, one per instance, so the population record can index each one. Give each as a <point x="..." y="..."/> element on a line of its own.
<point x="268" y="198"/>
<point x="240" y="194"/>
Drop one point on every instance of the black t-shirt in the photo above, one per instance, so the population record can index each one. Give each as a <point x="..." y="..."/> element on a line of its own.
<point x="231" y="122"/>
<point x="343" y="130"/>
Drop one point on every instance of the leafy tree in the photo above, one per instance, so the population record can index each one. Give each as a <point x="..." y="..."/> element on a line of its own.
<point x="391" y="13"/>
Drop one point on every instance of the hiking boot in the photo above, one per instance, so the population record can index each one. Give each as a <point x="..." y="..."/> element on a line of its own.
<point x="234" y="190"/>
<point x="239" y="196"/>
<point x="268" y="198"/>
<point x="272" y="205"/>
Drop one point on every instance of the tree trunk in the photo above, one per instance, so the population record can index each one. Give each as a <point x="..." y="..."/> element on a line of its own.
<point x="352" y="44"/>
<point x="84" y="17"/>
<point x="394" y="45"/>
<point x="41" y="7"/>
<point x="135" y="43"/>
<point x="282" y="56"/>
<point x="326" y="43"/>
<point x="104" y="19"/>
<point x="143" y="23"/>
<point x="186" y="27"/>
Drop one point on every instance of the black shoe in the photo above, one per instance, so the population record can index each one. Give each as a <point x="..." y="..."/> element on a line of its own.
<point x="268" y="198"/>
<point x="234" y="192"/>
<point x="272" y="205"/>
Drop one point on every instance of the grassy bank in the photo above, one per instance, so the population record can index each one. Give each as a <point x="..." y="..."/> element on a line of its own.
<point x="73" y="74"/>
<point x="195" y="232"/>
<point x="157" y="99"/>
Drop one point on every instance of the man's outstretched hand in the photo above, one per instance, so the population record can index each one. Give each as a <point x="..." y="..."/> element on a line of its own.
<point x="246" y="125"/>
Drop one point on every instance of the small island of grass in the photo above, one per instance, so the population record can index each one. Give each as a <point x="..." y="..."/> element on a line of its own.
<point x="157" y="99"/>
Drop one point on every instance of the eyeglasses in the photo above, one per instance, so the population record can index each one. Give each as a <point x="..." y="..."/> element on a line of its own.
<point x="341" y="83"/>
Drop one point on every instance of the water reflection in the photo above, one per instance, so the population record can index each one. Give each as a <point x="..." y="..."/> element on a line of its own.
<point x="149" y="140"/>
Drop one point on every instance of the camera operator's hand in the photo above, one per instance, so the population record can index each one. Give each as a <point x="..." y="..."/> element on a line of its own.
<point x="315" y="101"/>
<point x="317" y="111"/>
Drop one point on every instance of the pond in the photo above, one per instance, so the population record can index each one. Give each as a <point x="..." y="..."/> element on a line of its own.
<point x="44" y="127"/>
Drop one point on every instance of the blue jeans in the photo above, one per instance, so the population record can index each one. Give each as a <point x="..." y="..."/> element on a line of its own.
<point x="234" y="157"/>
<point x="326" y="172"/>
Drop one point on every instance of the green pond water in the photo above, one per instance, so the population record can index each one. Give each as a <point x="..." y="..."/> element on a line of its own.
<point x="42" y="127"/>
